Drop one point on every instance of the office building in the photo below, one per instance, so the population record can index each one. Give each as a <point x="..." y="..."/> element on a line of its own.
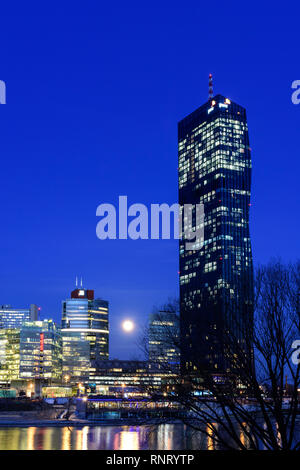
<point x="9" y="356"/>
<point x="31" y="356"/>
<point x="164" y="341"/>
<point x="85" y="334"/>
<point x="41" y="352"/>
<point x="122" y="377"/>
<point x="216" y="281"/>
<point x="14" y="317"/>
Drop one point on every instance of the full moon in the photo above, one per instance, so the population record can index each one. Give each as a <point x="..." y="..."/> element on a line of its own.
<point x="128" y="326"/>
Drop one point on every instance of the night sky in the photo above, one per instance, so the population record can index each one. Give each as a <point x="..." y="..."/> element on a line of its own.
<point x="94" y="95"/>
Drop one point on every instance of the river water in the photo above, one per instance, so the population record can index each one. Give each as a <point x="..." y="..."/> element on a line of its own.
<point x="160" y="437"/>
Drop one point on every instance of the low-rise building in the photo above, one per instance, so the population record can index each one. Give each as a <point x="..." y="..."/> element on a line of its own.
<point x="11" y="317"/>
<point x="126" y="378"/>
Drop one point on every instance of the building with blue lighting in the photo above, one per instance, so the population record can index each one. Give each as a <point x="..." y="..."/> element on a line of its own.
<point x="164" y="342"/>
<point x="85" y="335"/>
<point x="11" y="317"/>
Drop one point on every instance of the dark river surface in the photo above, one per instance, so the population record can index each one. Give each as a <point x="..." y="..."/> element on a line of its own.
<point x="160" y="437"/>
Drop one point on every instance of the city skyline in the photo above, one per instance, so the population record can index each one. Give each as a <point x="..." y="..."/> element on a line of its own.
<point x="150" y="264"/>
<point x="78" y="133"/>
<point x="117" y="331"/>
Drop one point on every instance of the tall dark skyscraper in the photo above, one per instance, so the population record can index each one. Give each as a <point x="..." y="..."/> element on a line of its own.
<point x="216" y="281"/>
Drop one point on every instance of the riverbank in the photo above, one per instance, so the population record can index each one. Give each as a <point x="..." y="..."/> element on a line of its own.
<point x="10" y="423"/>
<point x="21" y="421"/>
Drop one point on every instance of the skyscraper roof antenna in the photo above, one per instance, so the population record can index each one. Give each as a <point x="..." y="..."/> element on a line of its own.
<point x="81" y="282"/>
<point x="76" y="281"/>
<point x="210" y="87"/>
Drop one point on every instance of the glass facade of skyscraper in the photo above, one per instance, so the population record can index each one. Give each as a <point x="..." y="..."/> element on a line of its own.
<point x="40" y="351"/>
<point x="31" y="353"/>
<point x="163" y="342"/>
<point x="216" y="281"/>
<point x="85" y="334"/>
<point x="76" y="357"/>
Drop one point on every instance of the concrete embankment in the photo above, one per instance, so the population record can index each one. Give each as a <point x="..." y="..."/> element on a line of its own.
<point x="12" y="419"/>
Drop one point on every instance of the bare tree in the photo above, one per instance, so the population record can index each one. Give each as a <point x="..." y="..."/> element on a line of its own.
<point x="253" y="403"/>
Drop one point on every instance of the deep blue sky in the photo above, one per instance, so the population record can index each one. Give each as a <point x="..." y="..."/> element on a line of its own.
<point x="93" y="99"/>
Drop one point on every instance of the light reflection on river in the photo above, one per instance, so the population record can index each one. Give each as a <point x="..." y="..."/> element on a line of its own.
<point x="162" y="437"/>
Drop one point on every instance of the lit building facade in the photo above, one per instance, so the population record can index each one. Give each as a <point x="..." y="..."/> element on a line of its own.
<point x="216" y="281"/>
<point x="164" y="341"/>
<point x="14" y="317"/>
<point x="76" y="357"/>
<point x="119" y="377"/>
<point x="30" y="356"/>
<point x="9" y="355"/>
<point x="85" y="334"/>
<point x="41" y="352"/>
